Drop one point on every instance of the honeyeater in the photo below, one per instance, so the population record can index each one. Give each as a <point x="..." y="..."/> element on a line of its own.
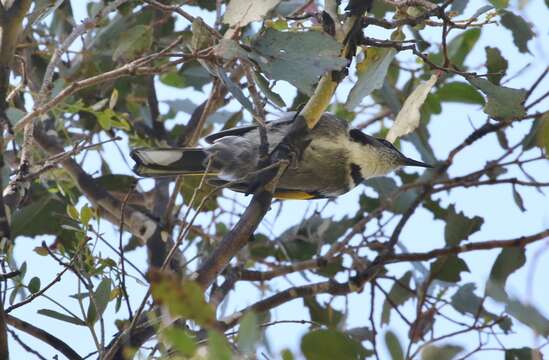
<point x="336" y="159"/>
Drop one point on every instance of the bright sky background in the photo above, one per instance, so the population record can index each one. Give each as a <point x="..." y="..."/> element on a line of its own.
<point x="503" y="220"/>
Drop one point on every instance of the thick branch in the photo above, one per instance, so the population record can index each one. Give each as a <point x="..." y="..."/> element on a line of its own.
<point x="235" y="240"/>
<point x="43" y="335"/>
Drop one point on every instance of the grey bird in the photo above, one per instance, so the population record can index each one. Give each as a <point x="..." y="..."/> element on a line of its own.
<point x="336" y="159"/>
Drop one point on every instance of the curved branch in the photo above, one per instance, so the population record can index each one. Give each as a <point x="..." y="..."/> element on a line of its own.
<point x="484" y="245"/>
<point x="43" y="335"/>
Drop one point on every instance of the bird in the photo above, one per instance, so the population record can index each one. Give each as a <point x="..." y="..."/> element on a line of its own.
<point x="336" y="159"/>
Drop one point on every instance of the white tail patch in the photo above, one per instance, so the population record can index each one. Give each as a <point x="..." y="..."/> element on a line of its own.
<point x="159" y="157"/>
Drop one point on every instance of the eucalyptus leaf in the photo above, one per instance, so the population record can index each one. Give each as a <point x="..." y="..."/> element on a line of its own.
<point x="459" y="227"/>
<point x="371" y="74"/>
<point x="331" y="344"/>
<point x="521" y="30"/>
<point x="297" y="57"/>
<point x="133" y="42"/>
<point x="398" y="295"/>
<point x="460" y="92"/>
<point x="97" y="307"/>
<point x="248" y="333"/>
<point x="393" y="345"/>
<point x="62" y="317"/>
<point x="444" y="352"/>
<point x="496" y="64"/>
<point x="448" y="268"/>
<point x="503" y="102"/>
<point x="218" y="347"/>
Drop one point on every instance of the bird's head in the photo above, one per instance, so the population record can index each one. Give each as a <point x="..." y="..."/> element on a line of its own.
<point x="378" y="157"/>
<point x="393" y="157"/>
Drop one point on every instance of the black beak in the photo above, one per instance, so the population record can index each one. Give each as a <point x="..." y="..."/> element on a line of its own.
<point x="412" y="162"/>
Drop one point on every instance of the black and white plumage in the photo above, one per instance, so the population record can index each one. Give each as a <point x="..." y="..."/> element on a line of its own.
<point x="336" y="160"/>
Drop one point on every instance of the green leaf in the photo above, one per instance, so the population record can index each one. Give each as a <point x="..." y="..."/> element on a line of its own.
<point x="34" y="285"/>
<point x="39" y="217"/>
<point x="102" y="297"/>
<point x="287" y="355"/>
<point x="481" y="11"/>
<point x="503" y="102"/>
<point x="86" y="213"/>
<point x="518" y="199"/>
<point x="445" y="352"/>
<point x="394" y="346"/>
<point x="297" y="57"/>
<point x="236" y="91"/>
<point x="201" y="36"/>
<point x="528" y="315"/>
<point x="499" y="4"/>
<point x="459" y="227"/>
<point x="72" y="212"/>
<point x="302" y="241"/>
<point x="263" y="85"/>
<point x="218" y="347"/>
<point x="524" y="353"/>
<point x="458" y="6"/>
<point x="193" y="74"/>
<point x="190" y="185"/>
<point x="59" y="316"/>
<point x="14" y="115"/>
<point x="465" y="300"/>
<point x="173" y="79"/>
<point x="325" y="315"/>
<point x="460" y="92"/>
<point x="248" y="333"/>
<point x="495" y="63"/>
<point x="398" y="295"/>
<point x="180" y="340"/>
<point x="521" y="30"/>
<point x="133" y="42"/>
<point x="329" y="345"/>
<point x="448" y="268"/>
<point x="386" y="187"/>
<point x="371" y="74"/>
<point x="183" y="298"/>
<point x="508" y="261"/>
<point x="542" y="136"/>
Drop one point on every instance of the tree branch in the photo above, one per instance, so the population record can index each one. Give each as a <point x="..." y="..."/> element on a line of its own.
<point x="43" y="335"/>
<point x="235" y="240"/>
<point x="138" y="223"/>
<point x="468" y="247"/>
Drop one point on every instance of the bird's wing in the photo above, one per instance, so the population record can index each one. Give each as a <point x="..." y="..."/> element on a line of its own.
<point x="240" y="131"/>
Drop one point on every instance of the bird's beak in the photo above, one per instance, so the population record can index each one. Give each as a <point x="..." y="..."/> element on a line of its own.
<point x="412" y="162"/>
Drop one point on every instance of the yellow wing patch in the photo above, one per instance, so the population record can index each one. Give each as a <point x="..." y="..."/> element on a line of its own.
<point x="294" y="195"/>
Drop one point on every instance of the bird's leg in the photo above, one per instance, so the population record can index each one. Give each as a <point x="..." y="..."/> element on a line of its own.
<point x="293" y="145"/>
<point x="263" y="176"/>
<point x="290" y="149"/>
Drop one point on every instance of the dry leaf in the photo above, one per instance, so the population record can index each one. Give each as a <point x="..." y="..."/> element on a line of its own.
<point x="408" y="117"/>
<point x="242" y="12"/>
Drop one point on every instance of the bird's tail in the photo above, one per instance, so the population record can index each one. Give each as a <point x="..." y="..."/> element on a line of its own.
<point x="158" y="162"/>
